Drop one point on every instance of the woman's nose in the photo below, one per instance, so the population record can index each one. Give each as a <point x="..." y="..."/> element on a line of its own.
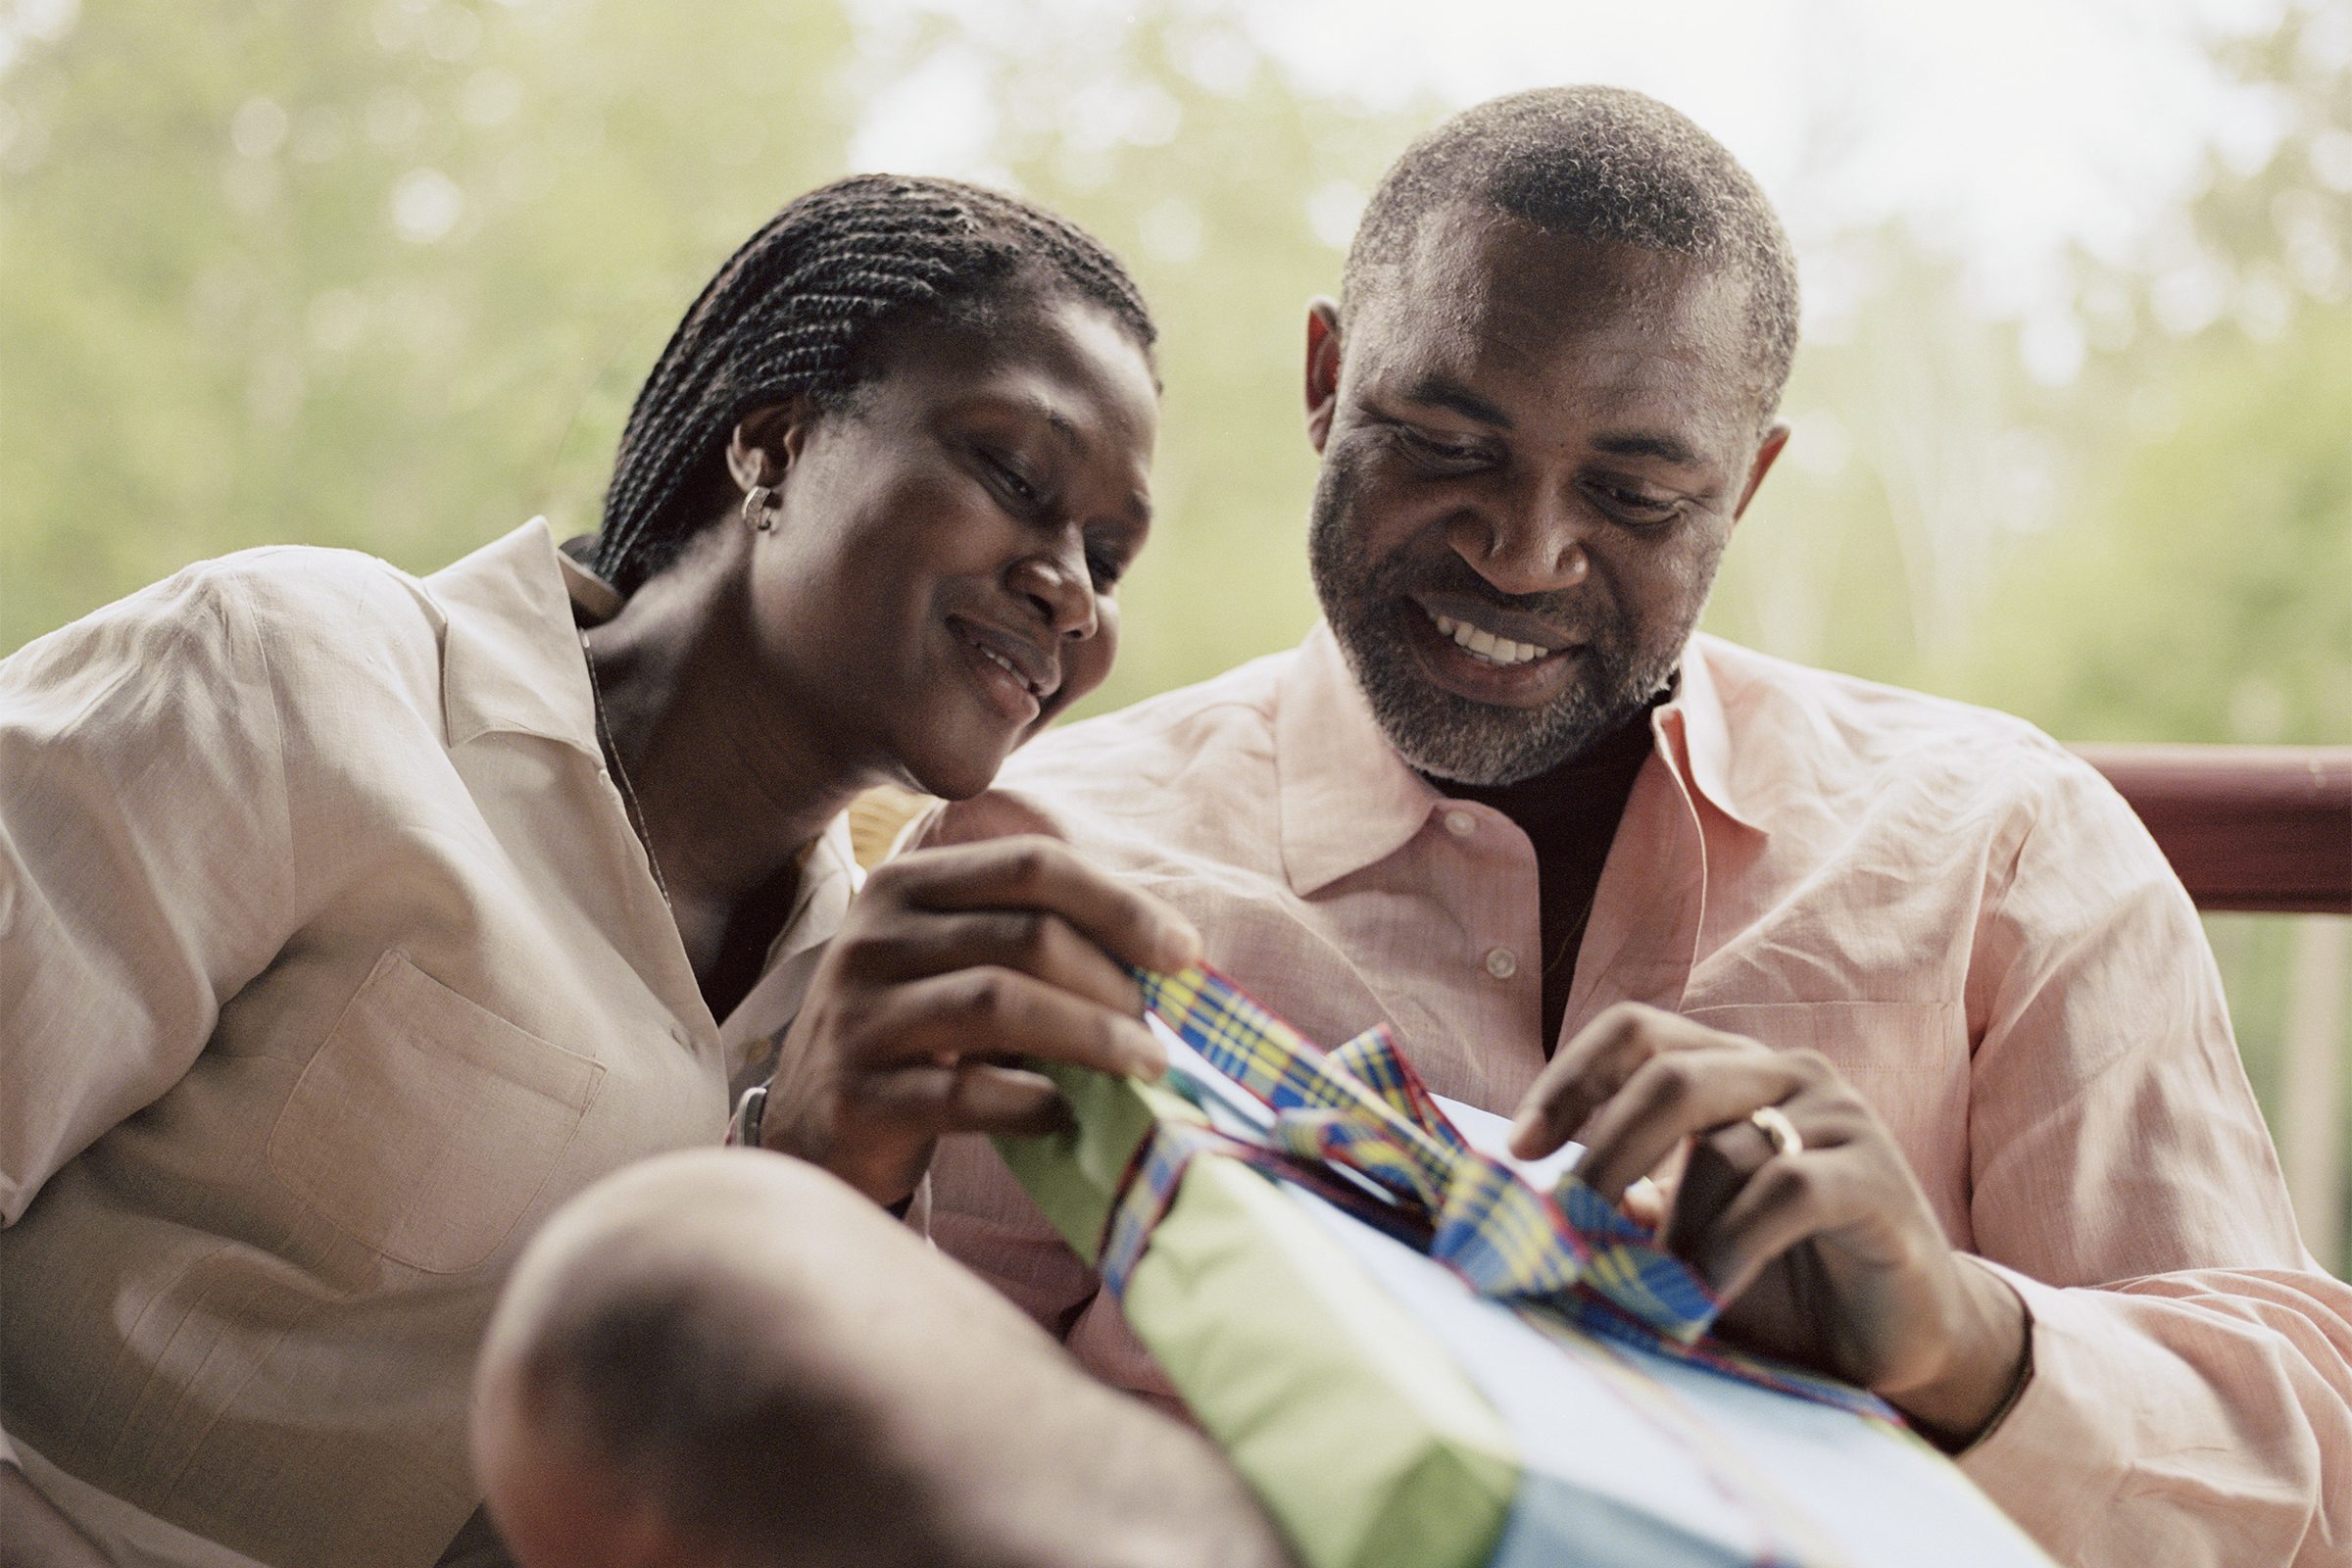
<point x="1058" y="584"/>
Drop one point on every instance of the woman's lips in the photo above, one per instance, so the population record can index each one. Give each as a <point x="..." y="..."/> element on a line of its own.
<point x="997" y="670"/>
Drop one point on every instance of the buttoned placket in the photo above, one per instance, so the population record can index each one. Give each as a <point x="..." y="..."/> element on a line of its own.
<point x="1486" y="851"/>
<point x="1500" y="959"/>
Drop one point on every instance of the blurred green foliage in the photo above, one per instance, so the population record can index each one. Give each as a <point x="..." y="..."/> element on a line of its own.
<point x="370" y="274"/>
<point x="386" y="274"/>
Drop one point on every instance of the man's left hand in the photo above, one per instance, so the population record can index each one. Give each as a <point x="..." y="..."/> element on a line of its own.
<point x="1826" y="1253"/>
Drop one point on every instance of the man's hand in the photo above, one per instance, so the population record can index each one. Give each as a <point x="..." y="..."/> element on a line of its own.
<point x="953" y="964"/>
<point x="1829" y="1254"/>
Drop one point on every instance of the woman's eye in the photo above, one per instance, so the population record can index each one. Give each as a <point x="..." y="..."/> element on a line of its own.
<point x="1104" y="567"/>
<point x="1010" y="479"/>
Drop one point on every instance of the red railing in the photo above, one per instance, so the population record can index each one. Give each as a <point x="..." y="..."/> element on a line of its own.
<point x="2269" y="829"/>
<point x="2263" y="829"/>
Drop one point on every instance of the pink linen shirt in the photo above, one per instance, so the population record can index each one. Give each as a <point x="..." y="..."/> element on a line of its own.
<point x="1961" y="915"/>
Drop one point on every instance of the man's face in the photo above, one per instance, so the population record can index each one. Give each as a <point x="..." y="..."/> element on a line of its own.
<point x="1534" y="450"/>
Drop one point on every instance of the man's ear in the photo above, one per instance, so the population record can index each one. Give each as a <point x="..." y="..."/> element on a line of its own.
<point x="1322" y="369"/>
<point x="1768" y="453"/>
<point x="766" y="442"/>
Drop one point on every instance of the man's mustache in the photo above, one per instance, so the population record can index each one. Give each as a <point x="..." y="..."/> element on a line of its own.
<point x="1570" y="612"/>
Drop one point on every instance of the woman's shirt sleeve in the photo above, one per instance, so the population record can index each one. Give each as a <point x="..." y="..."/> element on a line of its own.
<point x="144" y="859"/>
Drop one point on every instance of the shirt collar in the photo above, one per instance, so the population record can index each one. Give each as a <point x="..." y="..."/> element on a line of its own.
<point x="1697" y="711"/>
<point x="1348" y="801"/>
<point x="510" y="657"/>
<point x="830" y="878"/>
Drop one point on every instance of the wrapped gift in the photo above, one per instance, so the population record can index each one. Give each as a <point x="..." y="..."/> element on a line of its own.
<point x="1421" y="1358"/>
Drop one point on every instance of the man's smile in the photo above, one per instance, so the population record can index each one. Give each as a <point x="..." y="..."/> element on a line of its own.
<point x="1485" y="643"/>
<point x="1504" y="635"/>
<point x="1486" y="654"/>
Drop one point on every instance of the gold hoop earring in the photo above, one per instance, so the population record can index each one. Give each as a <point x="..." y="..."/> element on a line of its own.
<point x="760" y="508"/>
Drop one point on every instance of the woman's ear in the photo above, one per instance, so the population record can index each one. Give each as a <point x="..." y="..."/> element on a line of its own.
<point x="766" y="443"/>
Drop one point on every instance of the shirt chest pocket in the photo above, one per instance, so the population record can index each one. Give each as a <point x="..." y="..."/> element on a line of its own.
<point x="426" y="1125"/>
<point x="1909" y="1059"/>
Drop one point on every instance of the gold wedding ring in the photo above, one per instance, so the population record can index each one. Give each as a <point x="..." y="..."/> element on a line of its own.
<point x="1778" y="1130"/>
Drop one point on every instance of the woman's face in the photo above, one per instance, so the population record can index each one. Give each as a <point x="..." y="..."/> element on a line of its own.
<point x="939" y="581"/>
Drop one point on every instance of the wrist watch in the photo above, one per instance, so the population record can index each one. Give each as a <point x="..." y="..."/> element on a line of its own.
<point x="743" y="1128"/>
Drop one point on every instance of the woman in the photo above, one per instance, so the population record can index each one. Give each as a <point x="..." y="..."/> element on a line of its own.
<point x="351" y="921"/>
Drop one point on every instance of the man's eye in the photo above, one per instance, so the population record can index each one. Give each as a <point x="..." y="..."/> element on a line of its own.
<point x="1627" y="505"/>
<point x="1440" y="449"/>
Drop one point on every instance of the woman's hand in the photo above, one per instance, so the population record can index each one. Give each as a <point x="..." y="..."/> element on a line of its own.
<point x="952" y="964"/>
<point x="1825" y="1250"/>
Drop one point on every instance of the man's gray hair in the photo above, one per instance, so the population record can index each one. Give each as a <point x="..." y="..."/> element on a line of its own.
<point x="1596" y="162"/>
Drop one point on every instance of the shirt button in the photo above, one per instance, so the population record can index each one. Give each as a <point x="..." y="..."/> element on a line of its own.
<point x="1461" y="824"/>
<point x="1502" y="963"/>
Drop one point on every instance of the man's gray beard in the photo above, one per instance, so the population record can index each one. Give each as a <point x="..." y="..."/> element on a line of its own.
<point x="1448" y="737"/>
<point x="1451" y="737"/>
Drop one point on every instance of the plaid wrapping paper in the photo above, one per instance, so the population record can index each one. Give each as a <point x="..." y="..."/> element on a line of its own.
<point x="1565" y="1258"/>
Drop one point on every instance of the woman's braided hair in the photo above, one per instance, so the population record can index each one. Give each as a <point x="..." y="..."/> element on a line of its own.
<point x="793" y="312"/>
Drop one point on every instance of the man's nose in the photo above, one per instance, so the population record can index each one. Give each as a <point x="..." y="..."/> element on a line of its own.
<point x="1530" y="540"/>
<point x="1058" y="585"/>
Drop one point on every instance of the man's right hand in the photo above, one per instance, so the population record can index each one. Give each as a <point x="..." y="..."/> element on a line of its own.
<point x="954" y="964"/>
<point x="34" y="1534"/>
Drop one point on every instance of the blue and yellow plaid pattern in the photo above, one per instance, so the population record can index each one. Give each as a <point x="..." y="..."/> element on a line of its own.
<point x="1568" y="1256"/>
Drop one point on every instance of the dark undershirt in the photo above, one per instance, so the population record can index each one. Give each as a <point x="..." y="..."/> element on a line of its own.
<point x="1570" y="815"/>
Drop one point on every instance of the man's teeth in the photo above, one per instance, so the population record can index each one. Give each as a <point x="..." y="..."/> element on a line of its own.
<point x="1485" y="643"/>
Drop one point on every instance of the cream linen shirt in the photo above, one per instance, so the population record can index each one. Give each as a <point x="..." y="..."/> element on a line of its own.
<point x="332" y="964"/>
<point x="1958" y="913"/>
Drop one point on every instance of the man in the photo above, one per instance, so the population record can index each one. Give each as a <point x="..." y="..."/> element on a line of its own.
<point x="1935" y="1020"/>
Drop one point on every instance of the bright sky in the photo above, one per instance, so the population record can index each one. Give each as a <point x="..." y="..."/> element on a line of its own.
<point x="2003" y="128"/>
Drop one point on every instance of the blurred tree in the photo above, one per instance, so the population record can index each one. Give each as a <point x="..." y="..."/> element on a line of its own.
<point x="372" y="273"/>
<point x="2204" y="571"/>
<point x="1875" y="544"/>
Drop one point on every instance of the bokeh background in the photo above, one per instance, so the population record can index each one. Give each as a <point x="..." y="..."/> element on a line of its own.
<point x="2073" y="409"/>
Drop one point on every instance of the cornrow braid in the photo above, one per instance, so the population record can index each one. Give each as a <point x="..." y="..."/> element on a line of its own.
<point x="793" y="311"/>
